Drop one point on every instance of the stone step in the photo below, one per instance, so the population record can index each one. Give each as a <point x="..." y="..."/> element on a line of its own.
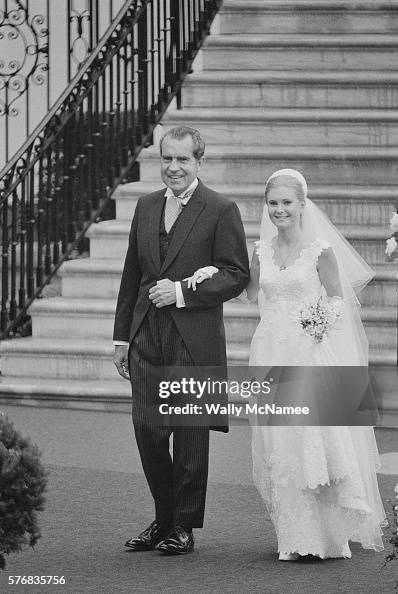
<point x="300" y="52"/>
<point x="382" y="290"/>
<point x="369" y="242"/>
<point x="354" y="204"/>
<point x="306" y="16"/>
<point x="76" y="318"/>
<point x="103" y="274"/>
<point x="320" y="165"/>
<point x="64" y="358"/>
<point x="295" y="89"/>
<point x="382" y="334"/>
<point x="289" y="126"/>
<point x="109" y="240"/>
<point x="105" y="395"/>
<point x="70" y="359"/>
<point x="94" y="318"/>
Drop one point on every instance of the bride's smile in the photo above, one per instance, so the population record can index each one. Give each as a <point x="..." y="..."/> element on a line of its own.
<point x="284" y="207"/>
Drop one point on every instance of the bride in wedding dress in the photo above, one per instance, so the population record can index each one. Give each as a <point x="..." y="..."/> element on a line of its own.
<point x="319" y="483"/>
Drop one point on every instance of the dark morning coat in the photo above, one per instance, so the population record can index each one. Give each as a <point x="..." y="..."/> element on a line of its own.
<point x="209" y="231"/>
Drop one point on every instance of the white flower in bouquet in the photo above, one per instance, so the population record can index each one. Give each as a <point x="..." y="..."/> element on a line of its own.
<point x="316" y="319"/>
<point x="391" y="246"/>
<point x="394" y="222"/>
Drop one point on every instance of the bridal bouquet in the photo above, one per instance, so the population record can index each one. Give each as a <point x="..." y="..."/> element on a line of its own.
<point x="317" y="318"/>
<point x="391" y="243"/>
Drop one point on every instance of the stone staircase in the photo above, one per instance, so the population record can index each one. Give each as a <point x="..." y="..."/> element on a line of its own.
<point x="309" y="84"/>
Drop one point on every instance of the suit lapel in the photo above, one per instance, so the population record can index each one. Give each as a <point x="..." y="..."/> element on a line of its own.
<point x="185" y="222"/>
<point x="154" y="226"/>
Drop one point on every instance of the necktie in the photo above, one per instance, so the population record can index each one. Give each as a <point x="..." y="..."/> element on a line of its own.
<point x="173" y="209"/>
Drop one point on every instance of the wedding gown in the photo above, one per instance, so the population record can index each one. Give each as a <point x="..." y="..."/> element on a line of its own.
<point x="319" y="483"/>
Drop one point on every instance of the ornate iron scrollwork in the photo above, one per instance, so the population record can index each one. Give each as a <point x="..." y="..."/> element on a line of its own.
<point x="25" y="38"/>
<point x="79" y="48"/>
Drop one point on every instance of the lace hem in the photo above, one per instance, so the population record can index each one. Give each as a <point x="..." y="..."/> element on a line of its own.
<point x="313" y="523"/>
<point x="320" y="487"/>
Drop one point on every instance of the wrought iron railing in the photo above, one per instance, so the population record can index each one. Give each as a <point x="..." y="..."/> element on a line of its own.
<point x="65" y="173"/>
<point x="43" y="44"/>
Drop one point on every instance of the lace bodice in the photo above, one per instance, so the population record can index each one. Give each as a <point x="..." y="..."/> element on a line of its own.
<point x="298" y="283"/>
<point x="279" y="338"/>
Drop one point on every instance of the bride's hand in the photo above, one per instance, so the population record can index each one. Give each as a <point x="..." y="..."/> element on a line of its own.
<point x="200" y="275"/>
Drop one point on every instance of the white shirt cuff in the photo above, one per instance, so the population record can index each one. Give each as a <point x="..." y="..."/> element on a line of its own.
<point x="120" y="343"/>
<point x="180" y="302"/>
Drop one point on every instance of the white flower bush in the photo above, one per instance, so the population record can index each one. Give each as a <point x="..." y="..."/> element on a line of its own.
<point x="394" y="222"/>
<point x="391" y="246"/>
<point x="391" y="243"/>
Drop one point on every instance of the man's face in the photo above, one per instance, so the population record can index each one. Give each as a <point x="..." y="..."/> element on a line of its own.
<point x="178" y="166"/>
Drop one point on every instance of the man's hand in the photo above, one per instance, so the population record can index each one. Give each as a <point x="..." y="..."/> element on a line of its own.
<point x="120" y="360"/>
<point x="163" y="293"/>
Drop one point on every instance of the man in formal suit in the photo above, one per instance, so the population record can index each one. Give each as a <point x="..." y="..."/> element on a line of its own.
<point x="161" y="321"/>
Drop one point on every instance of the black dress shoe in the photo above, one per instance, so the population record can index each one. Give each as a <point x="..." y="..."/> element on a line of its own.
<point x="179" y="541"/>
<point x="149" y="538"/>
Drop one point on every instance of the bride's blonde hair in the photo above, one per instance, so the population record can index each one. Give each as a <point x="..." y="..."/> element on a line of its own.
<point x="287" y="181"/>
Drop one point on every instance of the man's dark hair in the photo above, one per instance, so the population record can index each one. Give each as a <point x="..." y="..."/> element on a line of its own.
<point x="181" y="132"/>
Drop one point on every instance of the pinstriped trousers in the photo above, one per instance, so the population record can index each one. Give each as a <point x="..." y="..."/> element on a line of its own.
<point x="178" y="483"/>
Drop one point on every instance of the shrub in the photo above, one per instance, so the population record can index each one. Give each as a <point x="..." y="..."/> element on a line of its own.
<point x="23" y="481"/>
